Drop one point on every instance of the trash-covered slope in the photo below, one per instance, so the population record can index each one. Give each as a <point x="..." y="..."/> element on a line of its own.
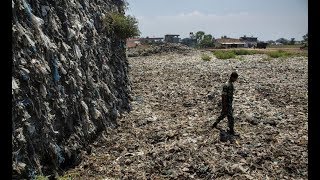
<point x="69" y="81"/>
<point x="176" y="98"/>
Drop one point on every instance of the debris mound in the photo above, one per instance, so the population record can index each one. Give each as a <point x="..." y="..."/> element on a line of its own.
<point x="158" y="49"/>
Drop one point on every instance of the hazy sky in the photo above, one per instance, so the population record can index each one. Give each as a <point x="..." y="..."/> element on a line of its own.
<point x="265" y="19"/>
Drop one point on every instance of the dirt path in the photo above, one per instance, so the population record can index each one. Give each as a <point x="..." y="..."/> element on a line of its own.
<point x="167" y="134"/>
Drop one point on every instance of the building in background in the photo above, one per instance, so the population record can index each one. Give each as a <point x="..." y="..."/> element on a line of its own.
<point x="172" y="38"/>
<point x="225" y="42"/>
<point x="249" y="41"/>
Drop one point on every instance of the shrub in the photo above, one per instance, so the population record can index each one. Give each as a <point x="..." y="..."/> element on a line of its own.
<point x="243" y="52"/>
<point x="122" y="26"/>
<point x="206" y="57"/>
<point x="279" y="53"/>
<point x="224" y="54"/>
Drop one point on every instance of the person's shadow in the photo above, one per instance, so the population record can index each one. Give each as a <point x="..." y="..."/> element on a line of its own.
<point x="226" y="136"/>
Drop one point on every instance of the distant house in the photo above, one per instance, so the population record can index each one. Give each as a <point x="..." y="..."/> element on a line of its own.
<point x="249" y="41"/>
<point x="226" y="42"/>
<point x="133" y="42"/>
<point x="172" y="38"/>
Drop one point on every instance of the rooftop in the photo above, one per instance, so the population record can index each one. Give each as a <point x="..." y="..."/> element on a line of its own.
<point x="172" y="35"/>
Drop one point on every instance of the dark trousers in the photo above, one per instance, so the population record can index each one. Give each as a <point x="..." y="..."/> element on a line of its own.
<point x="229" y="115"/>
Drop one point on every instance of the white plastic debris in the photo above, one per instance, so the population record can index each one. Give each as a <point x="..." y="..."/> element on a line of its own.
<point x="64" y="72"/>
<point x="43" y="90"/>
<point x="14" y="84"/>
<point x="43" y="69"/>
<point x="84" y="105"/>
<point x="79" y="72"/>
<point x="96" y="113"/>
<point x="38" y="22"/>
<point x="30" y="41"/>
<point x="77" y="51"/>
<point x="71" y="33"/>
<point x="25" y="70"/>
<point x="20" y="135"/>
<point x="47" y="42"/>
<point x="66" y="46"/>
<point x="77" y="25"/>
<point x="62" y="58"/>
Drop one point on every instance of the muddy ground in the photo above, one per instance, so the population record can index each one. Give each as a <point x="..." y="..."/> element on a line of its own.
<point x="175" y="100"/>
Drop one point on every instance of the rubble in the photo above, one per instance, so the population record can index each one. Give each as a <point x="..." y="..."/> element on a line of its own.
<point x="69" y="82"/>
<point x="176" y="98"/>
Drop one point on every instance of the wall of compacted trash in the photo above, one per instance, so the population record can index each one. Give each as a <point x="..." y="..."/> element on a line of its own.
<point x="69" y="81"/>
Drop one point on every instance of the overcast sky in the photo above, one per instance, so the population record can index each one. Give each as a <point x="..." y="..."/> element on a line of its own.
<point x="265" y="19"/>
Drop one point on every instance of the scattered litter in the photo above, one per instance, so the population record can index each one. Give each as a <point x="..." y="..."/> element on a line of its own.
<point x="170" y="121"/>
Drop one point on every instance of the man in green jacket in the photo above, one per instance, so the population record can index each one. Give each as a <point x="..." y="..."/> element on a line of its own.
<point x="227" y="98"/>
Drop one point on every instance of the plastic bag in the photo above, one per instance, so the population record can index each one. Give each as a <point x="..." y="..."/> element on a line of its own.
<point x="43" y="90"/>
<point x="44" y="10"/>
<point x="66" y="46"/>
<point x="77" y="51"/>
<point x="47" y="41"/>
<point x="56" y="76"/>
<point x="71" y="33"/>
<point x="14" y="84"/>
<point x="31" y="43"/>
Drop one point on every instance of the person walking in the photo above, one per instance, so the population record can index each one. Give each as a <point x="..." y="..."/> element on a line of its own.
<point x="227" y="98"/>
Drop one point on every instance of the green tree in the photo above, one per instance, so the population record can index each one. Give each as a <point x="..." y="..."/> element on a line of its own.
<point x="122" y="26"/>
<point x="292" y="41"/>
<point x="282" y="40"/>
<point x="271" y="42"/>
<point x="207" y="36"/>
<point x="207" y="41"/>
<point x="204" y="40"/>
<point x="305" y="38"/>
<point x="199" y="36"/>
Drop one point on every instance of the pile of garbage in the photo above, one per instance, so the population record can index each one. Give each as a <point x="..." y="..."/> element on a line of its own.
<point x="157" y="49"/>
<point x="69" y="82"/>
<point x="176" y="99"/>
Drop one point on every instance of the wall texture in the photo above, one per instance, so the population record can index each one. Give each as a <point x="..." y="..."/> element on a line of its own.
<point x="69" y="81"/>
